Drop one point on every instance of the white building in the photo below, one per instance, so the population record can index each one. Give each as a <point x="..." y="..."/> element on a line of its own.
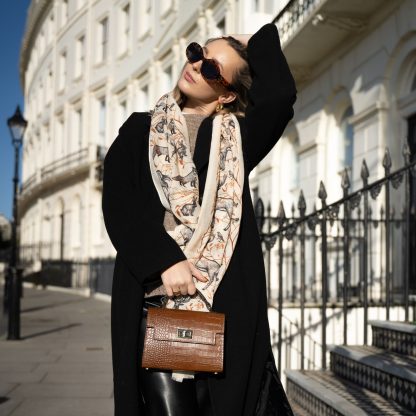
<point x="86" y="65"/>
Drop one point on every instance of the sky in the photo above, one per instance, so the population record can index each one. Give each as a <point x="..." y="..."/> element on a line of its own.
<point x="12" y="24"/>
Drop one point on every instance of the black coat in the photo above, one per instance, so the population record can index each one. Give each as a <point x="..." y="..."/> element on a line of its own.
<point x="133" y="216"/>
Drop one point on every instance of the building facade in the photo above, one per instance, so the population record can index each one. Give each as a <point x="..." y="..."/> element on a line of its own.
<point x="85" y="66"/>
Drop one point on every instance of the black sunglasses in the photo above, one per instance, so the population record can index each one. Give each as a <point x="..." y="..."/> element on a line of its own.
<point x="210" y="69"/>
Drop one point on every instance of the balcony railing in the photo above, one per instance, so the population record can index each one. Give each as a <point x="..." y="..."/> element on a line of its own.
<point x="71" y="161"/>
<point x="293" y="15"/>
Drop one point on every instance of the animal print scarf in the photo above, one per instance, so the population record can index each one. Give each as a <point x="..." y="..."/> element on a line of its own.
<point x="207" y="233"/>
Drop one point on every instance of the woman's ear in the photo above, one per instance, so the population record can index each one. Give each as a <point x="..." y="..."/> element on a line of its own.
<point x="226" y="98"/>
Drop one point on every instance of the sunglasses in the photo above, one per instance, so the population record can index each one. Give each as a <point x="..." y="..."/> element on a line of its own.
<point x="210" y="70"/>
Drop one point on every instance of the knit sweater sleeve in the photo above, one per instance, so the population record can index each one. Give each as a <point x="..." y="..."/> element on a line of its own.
<point x="271" y="95"/>
<point x="139" y="239"/>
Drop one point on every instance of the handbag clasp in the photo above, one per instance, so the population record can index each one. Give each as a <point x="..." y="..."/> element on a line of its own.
<point x="184" y="333"/>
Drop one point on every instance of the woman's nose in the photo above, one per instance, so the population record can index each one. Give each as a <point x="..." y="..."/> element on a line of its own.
<point x="197" y="65"/>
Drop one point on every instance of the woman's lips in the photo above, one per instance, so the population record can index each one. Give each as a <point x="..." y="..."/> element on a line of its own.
<point x="188" y="77"/>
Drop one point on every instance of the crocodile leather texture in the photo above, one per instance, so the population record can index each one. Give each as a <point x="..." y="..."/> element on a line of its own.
<point x="177" y="339"/>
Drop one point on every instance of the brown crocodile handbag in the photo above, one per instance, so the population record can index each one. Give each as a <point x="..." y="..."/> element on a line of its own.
<point x="178" y="339"/>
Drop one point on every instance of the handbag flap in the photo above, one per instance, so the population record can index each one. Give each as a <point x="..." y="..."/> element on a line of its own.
<point x="185" y="326"/>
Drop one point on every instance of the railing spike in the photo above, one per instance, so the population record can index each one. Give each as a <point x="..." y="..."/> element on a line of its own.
<point x="301" y="204"/>
<point x="364" y="171"/>
<point x="345" y="180"/>
<point x="259" y="207"/>
<point x="281" y="213"/>
<point x="322" y="195"/>
<point x="387" y="159"/>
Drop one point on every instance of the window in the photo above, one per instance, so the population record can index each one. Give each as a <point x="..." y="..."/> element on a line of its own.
<point x="125" y="28"/>
<point x="62" y="70"/>
<point x="103" y="40"/>
<point x="101" y="121"/>
<point x="80" y="56"/>
<point x="145" y="16"/>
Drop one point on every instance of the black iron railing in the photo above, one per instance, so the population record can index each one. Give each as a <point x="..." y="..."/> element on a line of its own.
<point x="356" y="252"/>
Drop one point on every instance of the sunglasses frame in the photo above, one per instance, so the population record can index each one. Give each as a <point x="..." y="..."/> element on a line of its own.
<point x="219" y="78"/>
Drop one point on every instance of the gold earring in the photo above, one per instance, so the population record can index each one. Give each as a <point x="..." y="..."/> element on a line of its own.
<point x="219" y="107"/>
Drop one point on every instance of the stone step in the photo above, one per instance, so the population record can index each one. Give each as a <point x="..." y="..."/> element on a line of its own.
<point x="399" y="337"/>
<point x="323" y="393"/>
<point x="387" y="373"/>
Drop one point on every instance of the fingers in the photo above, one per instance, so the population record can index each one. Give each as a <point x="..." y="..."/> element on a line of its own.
<point x="178" y="280"/>
<point x="197" y="273"/>
<point x="191" y="289"/>
<point x="169" y="291"/>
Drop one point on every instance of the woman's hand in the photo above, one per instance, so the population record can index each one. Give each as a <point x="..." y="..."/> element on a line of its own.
<point x="179" y="278"/>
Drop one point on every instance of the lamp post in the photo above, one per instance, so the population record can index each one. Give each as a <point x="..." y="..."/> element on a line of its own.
<point x="17" y="125"/>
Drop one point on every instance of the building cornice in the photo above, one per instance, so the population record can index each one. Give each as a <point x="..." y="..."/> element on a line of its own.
<point x="35" y="16"/>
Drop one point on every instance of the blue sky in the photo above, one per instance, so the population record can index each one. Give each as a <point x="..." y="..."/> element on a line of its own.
<point x="12" y="18"/>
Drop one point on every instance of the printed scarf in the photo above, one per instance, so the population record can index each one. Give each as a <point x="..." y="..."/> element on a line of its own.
<point x="207" y="232"/>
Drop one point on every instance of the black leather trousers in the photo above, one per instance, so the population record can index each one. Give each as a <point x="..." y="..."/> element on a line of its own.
<point x="163" y="396"/>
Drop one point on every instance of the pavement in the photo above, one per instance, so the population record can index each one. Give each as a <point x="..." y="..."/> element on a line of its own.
<point x="62" y="365"/>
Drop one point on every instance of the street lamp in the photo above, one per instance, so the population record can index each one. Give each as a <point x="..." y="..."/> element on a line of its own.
<point x="17" y="125"/>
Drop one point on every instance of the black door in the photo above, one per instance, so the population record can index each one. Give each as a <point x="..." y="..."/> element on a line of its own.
<point x="412" y="232"/>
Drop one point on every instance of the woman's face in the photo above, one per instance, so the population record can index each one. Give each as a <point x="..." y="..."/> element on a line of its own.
<point x="196" y="88"/>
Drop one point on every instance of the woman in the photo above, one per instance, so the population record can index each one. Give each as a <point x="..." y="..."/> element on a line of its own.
<point x="251" y="83"/>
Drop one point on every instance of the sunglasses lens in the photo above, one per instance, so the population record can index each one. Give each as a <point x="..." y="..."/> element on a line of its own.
<point x="209" y="70"/>
<point x="194" y="52"/>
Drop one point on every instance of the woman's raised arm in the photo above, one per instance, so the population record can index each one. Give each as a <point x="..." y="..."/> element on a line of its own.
<point x="271" y="95"/>
<point x="141" y="241"/>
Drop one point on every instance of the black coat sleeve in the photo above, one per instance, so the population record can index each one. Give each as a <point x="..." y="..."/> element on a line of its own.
<point x="139" y="239"/>
<point x="271" y="95"/>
